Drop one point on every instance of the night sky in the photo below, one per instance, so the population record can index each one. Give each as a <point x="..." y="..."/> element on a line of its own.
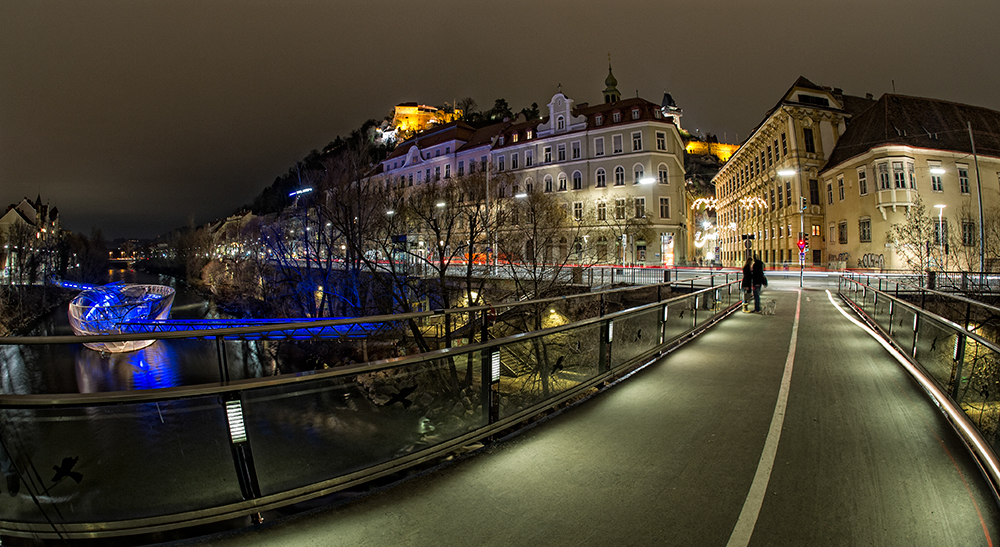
<point x="139" y="116"/>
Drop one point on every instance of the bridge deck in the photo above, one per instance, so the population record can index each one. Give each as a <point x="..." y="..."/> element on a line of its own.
<point x="669" y="457"/>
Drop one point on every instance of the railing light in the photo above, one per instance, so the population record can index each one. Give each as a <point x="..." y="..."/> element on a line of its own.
<point x="237" y="430"/>
<point x="611" y="330"/>
<point x="495" y="366"/>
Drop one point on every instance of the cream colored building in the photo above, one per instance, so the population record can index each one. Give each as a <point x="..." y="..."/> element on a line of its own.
<point x="610" y="162"/>
<point x="761" y="189"/>
<point x="902" y="150"/>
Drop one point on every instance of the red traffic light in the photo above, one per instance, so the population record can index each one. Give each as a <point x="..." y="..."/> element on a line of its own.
<point x="802" y="244"/>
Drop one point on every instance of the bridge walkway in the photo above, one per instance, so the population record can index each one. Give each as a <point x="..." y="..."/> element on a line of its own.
<point x="704" y="447"/>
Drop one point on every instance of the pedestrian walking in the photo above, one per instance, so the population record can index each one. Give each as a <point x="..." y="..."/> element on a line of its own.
<point x="747" y="284"/>
<point x="759" y="281"/>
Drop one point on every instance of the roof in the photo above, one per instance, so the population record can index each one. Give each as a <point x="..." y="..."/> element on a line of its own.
<point x="456" y="130"/>
<point x="921" y="123"/>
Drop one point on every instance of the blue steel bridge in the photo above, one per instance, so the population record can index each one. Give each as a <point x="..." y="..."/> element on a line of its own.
<point x="852" y="416"/>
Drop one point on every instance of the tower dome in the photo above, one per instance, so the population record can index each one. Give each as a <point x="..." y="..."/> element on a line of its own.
<point x="611" y="93"/>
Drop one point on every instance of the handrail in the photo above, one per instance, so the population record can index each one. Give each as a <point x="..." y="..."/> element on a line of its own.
<point x="964" y="299"/>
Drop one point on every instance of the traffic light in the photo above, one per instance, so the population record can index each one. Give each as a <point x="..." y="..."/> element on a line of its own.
<point x="802" y="203"/>
<point x="802" y="243"/>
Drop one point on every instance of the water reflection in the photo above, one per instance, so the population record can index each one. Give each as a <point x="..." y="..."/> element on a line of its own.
<point x="152" y="367"/>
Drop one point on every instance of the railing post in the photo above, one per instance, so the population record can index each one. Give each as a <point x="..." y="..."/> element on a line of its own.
<point x="959" y="359"/>
<point x="607" y="330"/>
<point x="220" y="352"/>
<point x="447" y="329"/>
<point x="246" y="473"/>
<point x="490" y="392"/>
<point x="916" y="329"/>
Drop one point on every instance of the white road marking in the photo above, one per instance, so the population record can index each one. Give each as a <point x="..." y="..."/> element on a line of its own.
<point x="755" y="497"/>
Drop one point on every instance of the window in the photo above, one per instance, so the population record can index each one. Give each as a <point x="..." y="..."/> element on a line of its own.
<point x="548" y="183"/>
<point x="807" y="137"/>
<point x="560" y="123"/>
<point x="527" y="158"/>
<point x="910" y="175"/>
<point x="865" y="230"/>
<point x="513" y="160"/>
<point x="898" y="176"/>
<point x="562" y="182"/>
<point x="833" y="233"/>
<point x="472" y="166"/>
<point x="814" y="191"/>
<point x="769" y="157"/>
<point x="777" y="153"/>
<point x="781" y="198"/>
<point x="599" y="146"/>
<point x="863" y="181"/>
<point x="528" y="186"/>
<point x="577" y="180"/>
<point x="636" y="141"/>
<point x="635" y="113"/>
<point x="513" y="138"/>
<point x="616" y="141"/>
<point x="616" y="117"/>
<point x="410" y="179"/>
<point x="427" y="174"/>
<point x="829" y="193"/>
<point x="561" y="152"/>
<point x="602" y="210"/>
<point x="447" y="171"/>
<point x="499" y="163"/>
<point x="963" y="178"/>
<point x="576" y="150"/>
<point x="577" y="210"/>
<point x="840" y="187"/>
<point x="640" y="207"/>
<point x="461" y="168"/>
<point x="883" y="176"/>
<point x="788" y="192"/>
<point x="601" y="180"/>
<point x="941" y="232"/>
<point x="663" y="174"/>
<point x="637" y="173"/>
<point x="772" y="198"/>
<point x="842" y="233"/>
<point x="661" y="140"/>
<point x="620" y="209"/>
<point x="619" y="176"/>
<point x="784" y="145"/>
<point x="438" y="152"/>
<point x="815" y="230"/>
<point x="598" y="120"/>
<point x="968" y="233"/>
<point x="937" y="185"/>
<point x="482" y="164"/>
<point x="664" y="207"/>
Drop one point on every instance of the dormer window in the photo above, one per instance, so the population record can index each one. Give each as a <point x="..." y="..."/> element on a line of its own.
<point x="616" y="117"/>
<point x="598" y="119"/>
<point x="560" y="123"/>
<point x="635" y="113"/>
<point x="500" y="140"/>
<point x="527" y="134"/>
<point x="656" y="114"/>
<point x="513" y="138"/>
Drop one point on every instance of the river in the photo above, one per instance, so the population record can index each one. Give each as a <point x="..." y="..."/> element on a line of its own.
<point x="73" y="368"/>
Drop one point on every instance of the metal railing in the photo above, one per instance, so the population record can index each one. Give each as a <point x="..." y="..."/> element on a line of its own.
<point x="958" y="366"/>
<point x="133" y="462"/>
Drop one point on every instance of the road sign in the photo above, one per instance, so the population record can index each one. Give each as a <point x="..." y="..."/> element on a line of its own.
<point x="802" y="256"/>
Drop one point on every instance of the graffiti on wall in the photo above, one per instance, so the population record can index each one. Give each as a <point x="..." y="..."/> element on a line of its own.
<point x="872" y="260"/>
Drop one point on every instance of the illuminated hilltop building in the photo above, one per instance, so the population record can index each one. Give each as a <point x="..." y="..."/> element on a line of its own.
<point x="410" y="118"/>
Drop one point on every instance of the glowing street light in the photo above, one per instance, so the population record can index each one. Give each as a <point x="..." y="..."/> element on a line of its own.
<point x="786" y="172"/>
<point x="937" y="170"/>
<point x="522" y="195"/>
<point x="647" y="180"/>
<point x="439" y="204"/>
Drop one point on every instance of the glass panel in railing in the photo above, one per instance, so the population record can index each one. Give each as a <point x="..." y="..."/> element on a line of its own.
<point x="535" y="370"/>
<point x="120" y="462"/>
<point x="705" y="304"/>
<point x="979" y="393"/>
<point x="317" y="430"/>
<point x="882" y="307"/>
<point x="680" y="318"/>
<point x="936" y="350"/>
<point x="635" y="334"/>
<point x="902" y="327"/>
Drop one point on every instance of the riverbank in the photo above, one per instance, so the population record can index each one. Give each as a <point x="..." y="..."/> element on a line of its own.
<point x="22" y="306"/>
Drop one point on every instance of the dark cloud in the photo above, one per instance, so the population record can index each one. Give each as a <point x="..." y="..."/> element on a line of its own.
<point x="138" y="116"/>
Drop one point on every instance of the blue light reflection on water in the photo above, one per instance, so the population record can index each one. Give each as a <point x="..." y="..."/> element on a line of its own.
<point x="155" y="366"/>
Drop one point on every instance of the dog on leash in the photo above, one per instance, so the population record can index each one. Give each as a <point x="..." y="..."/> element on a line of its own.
<point x="768" y="307"/>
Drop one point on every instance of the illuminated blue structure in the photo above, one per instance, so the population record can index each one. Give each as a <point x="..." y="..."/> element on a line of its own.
<point x="110" y="308"/>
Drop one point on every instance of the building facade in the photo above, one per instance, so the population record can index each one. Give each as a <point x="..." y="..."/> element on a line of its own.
<point x="906" y="153"/>
<point x="611" y="163"/>
<point x="770" y="188"/>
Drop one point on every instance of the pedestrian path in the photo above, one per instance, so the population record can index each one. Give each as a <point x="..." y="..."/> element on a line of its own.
<point x="791" y="429"/>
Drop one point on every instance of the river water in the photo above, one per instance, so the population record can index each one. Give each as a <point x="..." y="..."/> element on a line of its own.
<point x="73" y="368"/>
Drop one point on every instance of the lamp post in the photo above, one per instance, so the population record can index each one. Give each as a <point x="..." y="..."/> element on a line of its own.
<point x="784" y="173"/>
<point x="940" y="234"/>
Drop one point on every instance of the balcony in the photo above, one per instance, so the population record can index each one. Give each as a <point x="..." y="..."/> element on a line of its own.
<point x="895" y="197"/>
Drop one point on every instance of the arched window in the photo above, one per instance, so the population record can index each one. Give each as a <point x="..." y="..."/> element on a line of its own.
<point x="619" y="176"/>
<point x="577" y="180"/>
<point x="528" y="185"/>
<point x="548" y="183"/>
<point x="601" y="178"/>
<point x="663" y="174"/>
<point x="637" y="173"/>
<point x="562" y="182"/>
<point x="560" y="123"/>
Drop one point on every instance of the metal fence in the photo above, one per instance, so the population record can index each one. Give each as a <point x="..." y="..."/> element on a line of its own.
<point x="129" y="462"/>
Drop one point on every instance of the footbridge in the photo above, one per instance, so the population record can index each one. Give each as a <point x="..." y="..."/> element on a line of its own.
<point x="660" y="415"/>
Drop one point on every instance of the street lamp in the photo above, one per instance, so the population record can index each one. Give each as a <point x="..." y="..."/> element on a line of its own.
<point x="940" y="233"/>
<point x="789" y="172"/>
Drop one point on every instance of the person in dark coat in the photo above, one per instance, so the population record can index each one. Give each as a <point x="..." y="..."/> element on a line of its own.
<point x="758" y="281"/>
